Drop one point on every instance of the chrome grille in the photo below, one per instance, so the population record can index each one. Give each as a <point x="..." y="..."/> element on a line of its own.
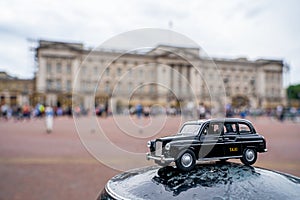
<point x="158" y="148"/>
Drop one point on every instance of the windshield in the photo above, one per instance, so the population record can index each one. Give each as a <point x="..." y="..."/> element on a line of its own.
<point x="190" y="129"/>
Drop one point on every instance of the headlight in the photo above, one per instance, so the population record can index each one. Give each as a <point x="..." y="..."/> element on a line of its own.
<point x="149" y="144"/>
<point x="168" y="146"/>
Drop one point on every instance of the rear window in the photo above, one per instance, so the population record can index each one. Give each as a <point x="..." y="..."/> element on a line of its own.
<point x="244" y="128"/>
<point x="230" y="128"/>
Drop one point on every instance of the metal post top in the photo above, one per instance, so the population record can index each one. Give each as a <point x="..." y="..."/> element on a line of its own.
<point x="209" y="181"/>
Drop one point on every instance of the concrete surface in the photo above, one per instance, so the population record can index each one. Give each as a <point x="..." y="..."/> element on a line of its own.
<point x="37" y="165"/>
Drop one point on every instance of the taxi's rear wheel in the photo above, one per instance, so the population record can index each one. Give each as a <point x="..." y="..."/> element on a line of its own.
<point x="186" y="161"/>
<point x="249" y="156"/>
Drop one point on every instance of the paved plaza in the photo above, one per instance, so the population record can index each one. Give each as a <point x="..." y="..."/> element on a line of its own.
<point x="37" y="165"/>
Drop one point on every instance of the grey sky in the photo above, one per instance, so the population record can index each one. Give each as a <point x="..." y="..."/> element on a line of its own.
<point x="229" y="29"/>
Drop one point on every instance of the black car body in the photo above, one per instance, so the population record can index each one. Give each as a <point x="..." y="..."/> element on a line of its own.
<point x="212" y="139"/>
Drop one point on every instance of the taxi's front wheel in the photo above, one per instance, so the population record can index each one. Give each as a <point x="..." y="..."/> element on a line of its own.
<point x="186" y="161"/>
<point x="249" y="156"/>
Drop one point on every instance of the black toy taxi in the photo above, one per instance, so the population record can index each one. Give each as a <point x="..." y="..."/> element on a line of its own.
<point x="204" y="140"/>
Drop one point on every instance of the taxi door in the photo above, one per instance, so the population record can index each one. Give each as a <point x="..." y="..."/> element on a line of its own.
<point x="212" y="143"/>
<point x="232" y="146"/>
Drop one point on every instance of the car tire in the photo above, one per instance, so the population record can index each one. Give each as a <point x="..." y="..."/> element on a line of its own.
<point x="249" y="156"/>
<point x="186" y="161"/>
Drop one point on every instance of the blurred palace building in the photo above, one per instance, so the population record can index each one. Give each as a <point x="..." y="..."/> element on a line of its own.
<point x="15" y="91"/>
<point x="164" y="75"/>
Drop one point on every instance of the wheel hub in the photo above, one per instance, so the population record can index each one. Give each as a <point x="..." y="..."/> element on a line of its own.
<point x="186" y="160"/>
<point x="249" y="155"/>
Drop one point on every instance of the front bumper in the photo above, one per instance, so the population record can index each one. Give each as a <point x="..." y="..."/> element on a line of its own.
<point x="161" y="158"/>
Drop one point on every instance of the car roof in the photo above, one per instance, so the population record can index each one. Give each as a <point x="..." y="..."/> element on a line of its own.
<point x="222" y="120"/>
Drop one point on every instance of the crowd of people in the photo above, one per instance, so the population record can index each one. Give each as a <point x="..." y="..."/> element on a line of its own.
<point x="279" y="113"/>
<point x="27" y="112"/>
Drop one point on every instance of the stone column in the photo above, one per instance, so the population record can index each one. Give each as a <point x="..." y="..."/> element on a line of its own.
<point x="176" y="80"/>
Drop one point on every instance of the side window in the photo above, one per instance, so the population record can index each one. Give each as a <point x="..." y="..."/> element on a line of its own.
<point x="244" y="128"/>
<point x="230" y="128"/>
<point x="214" y="129"/>
<point x="204" y="131"/>
<point x="190" y="129"/>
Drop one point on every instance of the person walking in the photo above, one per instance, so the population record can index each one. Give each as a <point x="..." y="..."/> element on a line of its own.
<point x="4" y="109"/>
<point x="139" y="110"/>
<point x="202" y="111"/>
<point x="49" y="118"/>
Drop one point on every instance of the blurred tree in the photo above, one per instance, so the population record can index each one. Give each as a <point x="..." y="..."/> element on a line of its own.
<point x="293" y="92"/>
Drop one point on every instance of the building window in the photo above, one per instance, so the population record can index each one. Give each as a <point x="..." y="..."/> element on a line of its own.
<point x="107" y="71"/>
<point x="141" y="87"/>
<point x="90" y="85"/>
<point x="141" y="72"/>
<point x="49" y="68"/>
<point x="152" y="88"/>
<point x="226" y="80"/>
<point x="228" y="93"/>
<point x="153" y="74"/>
<point x="68" y="85"/>
<point x="49" y="84"/>
<point x="69" y="69"/>
<point x="107" y="87"/>
<point x="129" y="87"/>
<point x="58" y="67"/>
<point x="119" y="71"/>
<point x="118" y="88"/>
<point x="58" y="84"/>
<point x="130" y="72"/>
<point x="25" y="89"/>
<point x="272" y="92"/>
